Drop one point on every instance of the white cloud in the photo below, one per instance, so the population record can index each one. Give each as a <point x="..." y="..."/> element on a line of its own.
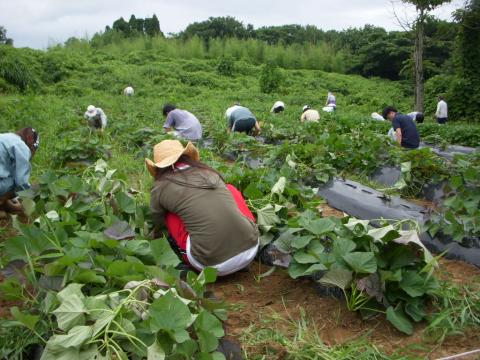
<point x="36" y="22"/>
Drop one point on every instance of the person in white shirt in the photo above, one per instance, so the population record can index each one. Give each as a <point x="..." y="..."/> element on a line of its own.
<point x="96" y="118"/>
<point x="416" y="116"/>
<point x="377" y="117"/>
<point x="128" y="91"/>
<point x="442" y="111"/>
<point x="279" y="106"/>
<point x="331" y="103"/>
<point x="309" y="114"/>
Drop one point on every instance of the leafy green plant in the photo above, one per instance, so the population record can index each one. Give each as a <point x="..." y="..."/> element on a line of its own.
<point x="78" y="150"/>
<point x="95" y="286"/>
<point x="226" y="66"/>
<point x="376" y="268"/>
<point x="270" y="78"/>
<point x="460" y="213"/>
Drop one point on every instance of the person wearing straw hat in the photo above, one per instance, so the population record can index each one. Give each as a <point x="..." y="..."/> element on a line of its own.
<point x="278" y="107"/>
<point x="309" y="114"/>
<point x="16" y="152"/>
<point x="96" y="117"/>
<point x="208" y="221"/>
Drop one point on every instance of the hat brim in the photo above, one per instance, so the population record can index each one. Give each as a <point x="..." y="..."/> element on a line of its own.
<point x="190" y="150"/>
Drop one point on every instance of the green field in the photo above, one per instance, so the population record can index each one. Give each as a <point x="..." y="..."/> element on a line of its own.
<point x="67" y="246"/>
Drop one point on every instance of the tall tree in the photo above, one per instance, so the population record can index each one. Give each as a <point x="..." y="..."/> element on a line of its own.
<point x="465" y="92"/>
<point x="122" y="26"/>
<point x="152" y="26"/>
<point x="3" y="37"/>
<point x="423" y="7"/>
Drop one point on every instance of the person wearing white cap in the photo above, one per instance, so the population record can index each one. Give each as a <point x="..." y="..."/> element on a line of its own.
<point x="96" y="117"/>
<point x="128" y="91"/>
<point x="278" y="107"/>
<point x="309" y="114"/>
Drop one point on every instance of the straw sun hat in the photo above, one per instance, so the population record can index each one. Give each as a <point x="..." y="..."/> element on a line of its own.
<point x="167" y="152"/>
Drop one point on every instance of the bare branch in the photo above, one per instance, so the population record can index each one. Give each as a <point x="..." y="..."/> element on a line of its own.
<point x="403" y="22"/>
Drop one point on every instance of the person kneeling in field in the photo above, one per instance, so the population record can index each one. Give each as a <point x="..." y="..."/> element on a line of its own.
<point x="96" y="118"/>
<point x="128" y="91"/>
<point x="241" y="119"/>
<point x="404" y="128"/>
<point x="309" y="114"/>
<point x="186" y="124"/>
<point x="278" y="107"/>
<point x="331" y="103"/>
<point x="416" y="116"/>
<point x="208" y="221"/>
<point x="16" y="152"/>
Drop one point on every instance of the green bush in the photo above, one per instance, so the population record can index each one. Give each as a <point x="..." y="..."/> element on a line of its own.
<point x="270" y="78"/>
<point x="226" y="66"/>
<point x="16" y="72"/>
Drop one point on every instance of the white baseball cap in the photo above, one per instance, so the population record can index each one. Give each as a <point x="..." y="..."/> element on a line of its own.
<point x="91" y="110"/>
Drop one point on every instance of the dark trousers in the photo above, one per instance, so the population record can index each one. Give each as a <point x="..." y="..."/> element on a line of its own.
<point x="441" y="120"/>
<point x="244" y="125"/>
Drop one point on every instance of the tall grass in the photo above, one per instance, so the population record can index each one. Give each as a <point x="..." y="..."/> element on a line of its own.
<point x="314" y="57"/>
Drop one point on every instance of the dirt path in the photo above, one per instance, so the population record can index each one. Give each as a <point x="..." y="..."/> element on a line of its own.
<point x="278" y="294"/>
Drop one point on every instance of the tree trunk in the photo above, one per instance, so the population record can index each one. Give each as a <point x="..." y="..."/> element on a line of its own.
<point x="418" y="58"/>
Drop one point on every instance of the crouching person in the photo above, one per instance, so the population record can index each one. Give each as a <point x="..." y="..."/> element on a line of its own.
<point x="96" y="118"/>
<point x="208" y="221"/>
<point x="16" y="152"/>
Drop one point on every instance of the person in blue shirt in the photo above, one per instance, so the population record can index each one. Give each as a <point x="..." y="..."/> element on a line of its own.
<point x="16" y="152"/>
<point x="405" y="129"/>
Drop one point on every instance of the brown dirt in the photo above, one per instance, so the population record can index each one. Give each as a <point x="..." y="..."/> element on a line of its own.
<point x="277" y="294"/>
<point x="6" y="230"/>
<point x="326" y="211"/>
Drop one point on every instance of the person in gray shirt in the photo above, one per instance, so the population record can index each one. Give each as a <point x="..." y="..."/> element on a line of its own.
<point x="241" y="119"/>
<point x="181" y="123"/>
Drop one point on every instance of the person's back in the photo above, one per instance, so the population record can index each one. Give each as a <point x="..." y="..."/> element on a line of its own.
<point x="442" y="111"/>
<point x="96" y="117"/>
<point x="331" y="101"/>
<point x="410" y="137"/>
<point x="278" y="107"/>
<point x="205" y="205"/>
<point x="416" y="116"/>
<point x="376" y="116"/>
<point x="14" y="163"/>
<point x="241" y="119"/>
<point x="185" y="123"/>
<point x="310" y="115"/>
<point x="240" y="113"/>
<point x="128" y="91"/>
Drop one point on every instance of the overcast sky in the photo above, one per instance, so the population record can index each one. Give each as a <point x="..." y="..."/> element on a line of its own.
<point x="38" y="23"/>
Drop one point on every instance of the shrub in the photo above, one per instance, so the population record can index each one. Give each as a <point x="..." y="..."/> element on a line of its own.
<point x="270" y="78"/>
<point x="226" y="66"/>
<point x="15" y="71"/>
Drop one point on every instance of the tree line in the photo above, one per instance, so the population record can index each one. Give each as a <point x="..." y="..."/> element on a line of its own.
<point x="450" y="59"/>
